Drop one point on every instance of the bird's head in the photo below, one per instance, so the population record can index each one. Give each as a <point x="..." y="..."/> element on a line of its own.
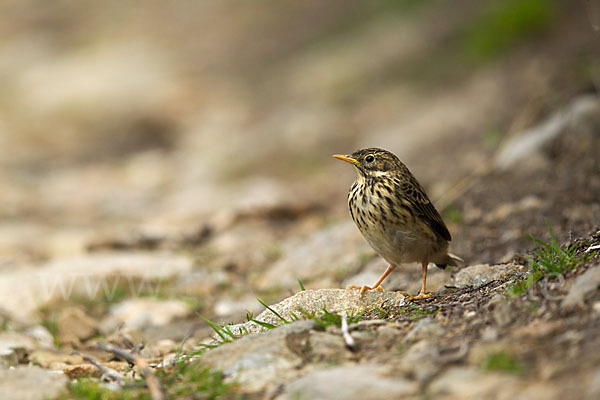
<point x="372" y="162"/>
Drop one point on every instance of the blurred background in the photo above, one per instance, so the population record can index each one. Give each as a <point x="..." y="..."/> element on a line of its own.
<point x="205" y="129"/>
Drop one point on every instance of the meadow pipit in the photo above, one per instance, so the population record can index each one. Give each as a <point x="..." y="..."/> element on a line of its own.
<point x="394" y="214"/>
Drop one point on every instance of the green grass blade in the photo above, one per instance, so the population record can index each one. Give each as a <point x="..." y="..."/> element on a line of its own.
<point x="217" y="328"/>
<point x="264" y="324"/>
<point x="274" y="312"/>
<point x="302" y="288"/>
<point x="229" y="332"/>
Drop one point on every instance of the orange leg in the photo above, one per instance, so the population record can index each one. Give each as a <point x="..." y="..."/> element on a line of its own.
<point x="376" y="286"/>
<point x="423" y="293"/>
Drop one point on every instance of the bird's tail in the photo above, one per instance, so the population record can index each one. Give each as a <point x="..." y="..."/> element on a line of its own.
<point x="450" y="259"/>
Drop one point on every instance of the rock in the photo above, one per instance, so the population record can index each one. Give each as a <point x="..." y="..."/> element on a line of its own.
<point x="322" y="253"/>
<point x="53" y="359"/>
<point x="164" y="347"/>
<point x="81" y="371"/>
<point x="322" y="347"/>
<point x="502" y="309"/>
<point x="261" y="361"/>
<point x="75" y="326"/>
<point x="352" y="382"/>
<point x="14" y="348"/>
<point x="584" y="284"/>
<point x="386" y="334"/>
<point x="477" y="275"/>
<point x="25" y="289"/>
<point x="424" y="329"/>
<point x="531" y="148"/>
<point x="470" y="383"/>
<point x="424" y="354"/>
<point x="314" y="301"/>
<point x="31" y="383"/>
<point x="42" y="335"/>
<point x="144" y="312"/>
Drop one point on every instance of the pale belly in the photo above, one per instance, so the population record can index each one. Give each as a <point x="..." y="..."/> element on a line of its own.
<point x="407" y="243"/>
<point x="400" y="246"/>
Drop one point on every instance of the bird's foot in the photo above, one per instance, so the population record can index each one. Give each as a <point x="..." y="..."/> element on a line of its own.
<point x="421" y="295"/>
<point x="363" y="289"/>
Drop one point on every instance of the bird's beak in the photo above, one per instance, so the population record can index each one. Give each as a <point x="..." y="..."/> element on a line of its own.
<point x="348" y="159"/>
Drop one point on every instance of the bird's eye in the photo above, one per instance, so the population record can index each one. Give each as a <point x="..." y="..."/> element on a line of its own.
<point x="369" y="158"/>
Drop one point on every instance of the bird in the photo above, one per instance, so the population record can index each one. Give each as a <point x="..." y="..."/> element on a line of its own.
<point x="395" y="216"/>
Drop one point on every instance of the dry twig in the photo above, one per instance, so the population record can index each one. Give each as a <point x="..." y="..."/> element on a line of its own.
<point x="132" y="358"/>
<point x="348" y="339"/>
<point x="108" y="374"/>
<point x="128" y="343"/>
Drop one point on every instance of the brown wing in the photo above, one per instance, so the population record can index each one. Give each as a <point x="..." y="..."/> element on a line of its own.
<point x="425" y="209"/>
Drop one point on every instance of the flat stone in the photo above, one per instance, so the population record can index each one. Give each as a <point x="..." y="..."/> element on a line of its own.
<point x="26" y="289"/>
<point x="53" y="359"/>
<point x="260" y="361"/>
<point x="31" y="383"/>
<point x="352" y="382"/>
<point x="314" y="301"/>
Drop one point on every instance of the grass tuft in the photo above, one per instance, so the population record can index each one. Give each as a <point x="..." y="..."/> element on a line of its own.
<point x="327" y="318"/>
<point x="223" y="331"/>
<point x="502" y="361"/>
<point x="250" y="318"/>
<point x="549" y="261"/>
<point x="414" y="313"/>
<point x="185" y="380"/>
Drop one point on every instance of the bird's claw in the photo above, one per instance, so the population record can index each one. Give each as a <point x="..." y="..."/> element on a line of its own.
<point x="364" y="288"/>
<point x="421" y="295"/>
